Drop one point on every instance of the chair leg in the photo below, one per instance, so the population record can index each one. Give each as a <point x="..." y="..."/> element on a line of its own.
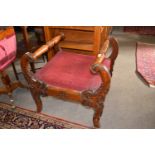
<point x="98" y="110"/>
<point x="15" y="71"/>
<point x="95" y="100"/>
<point x="37" y="100"/>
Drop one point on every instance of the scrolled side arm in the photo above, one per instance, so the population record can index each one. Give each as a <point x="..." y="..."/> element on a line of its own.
<point x="102" y="52"/>
<point x="30" y="57"/>
<point x="48" y="45"/>
<point x="102" y="55"/>
<point x="98" y="67"/>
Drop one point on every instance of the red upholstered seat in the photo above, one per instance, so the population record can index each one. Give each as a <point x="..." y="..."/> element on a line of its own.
<point x="71" y="70"/>
<point x="7" y="51"/>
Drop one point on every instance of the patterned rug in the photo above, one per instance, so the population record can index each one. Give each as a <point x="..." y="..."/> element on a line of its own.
<point x="142" y="30"/>
<point x="19" y="118"/>
<point x="145" y="57"/>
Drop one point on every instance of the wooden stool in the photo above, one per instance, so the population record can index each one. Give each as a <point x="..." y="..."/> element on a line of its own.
<point x="78" y="77"/>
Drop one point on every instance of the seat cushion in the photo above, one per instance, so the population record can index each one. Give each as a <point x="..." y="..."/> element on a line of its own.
<point x="71" y="71"/>
<point x="7" y="51"/>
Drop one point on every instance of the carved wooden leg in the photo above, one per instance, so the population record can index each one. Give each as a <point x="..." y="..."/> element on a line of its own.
<point x="95" y="100"/>
<point x="37" y="99"/>
<point x="97" y="114"/>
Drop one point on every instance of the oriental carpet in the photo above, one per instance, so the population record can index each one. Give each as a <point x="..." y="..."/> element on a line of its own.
<point x="19" y="118"/>
<point x="141" y="30"/>
<point x="145" y="62"/>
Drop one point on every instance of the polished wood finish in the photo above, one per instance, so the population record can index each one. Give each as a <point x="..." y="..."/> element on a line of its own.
<point x="90" y="98"/>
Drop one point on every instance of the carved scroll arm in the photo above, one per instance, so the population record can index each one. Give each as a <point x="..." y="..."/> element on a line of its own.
<point x="31" y="57"/>
<point x="97" y="66"/>
<point x="102" y="52"/>
<point x="102" y="55"/>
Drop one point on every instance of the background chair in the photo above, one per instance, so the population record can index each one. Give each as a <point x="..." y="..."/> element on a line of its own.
<point x="7" y="56"/>
<point x="31" y="47"/>
<point x="78" y="77"/>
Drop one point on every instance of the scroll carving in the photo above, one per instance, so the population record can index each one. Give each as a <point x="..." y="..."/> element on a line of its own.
<point x="96" y="101"/>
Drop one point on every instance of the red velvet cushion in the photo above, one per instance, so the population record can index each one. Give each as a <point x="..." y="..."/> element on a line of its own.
<point x="7" y="51"/>
<point x="70" y="70"/>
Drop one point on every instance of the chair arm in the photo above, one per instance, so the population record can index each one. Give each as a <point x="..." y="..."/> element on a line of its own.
<point x="102" y="52"/>
<point x="101" y="56"/>
<point x="44" y="48"/>
<point x="98" y="67"/>
<point x="30" y="57"/>
<point x="115" y="49"/>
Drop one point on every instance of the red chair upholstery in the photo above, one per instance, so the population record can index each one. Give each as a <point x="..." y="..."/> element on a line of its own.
<point x="71" y="71"/>
<point x="7" y="56"/>
<point x="7" y="49"/>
